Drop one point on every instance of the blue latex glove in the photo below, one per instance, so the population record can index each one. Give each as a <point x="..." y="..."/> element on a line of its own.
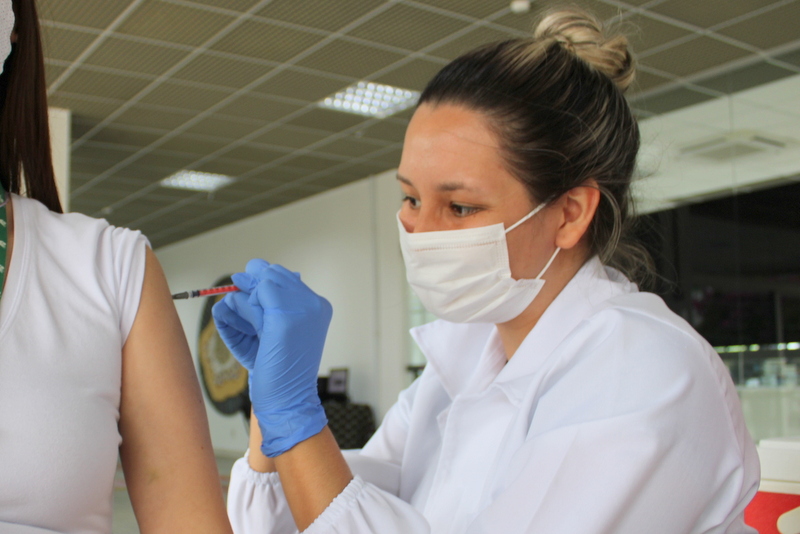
<point x="276" y="327"/>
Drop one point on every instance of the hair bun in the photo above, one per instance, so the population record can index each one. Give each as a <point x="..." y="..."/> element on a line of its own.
<point x="582" y="34"/>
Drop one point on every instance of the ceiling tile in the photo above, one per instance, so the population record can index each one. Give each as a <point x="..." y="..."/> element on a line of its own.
<point x="266" y="41"/>
<point x="330" y="16"/>
<point x="87" y="82"/>
<point x="255" y="153"/>
<point x="645" y="33"/>
<point x="408" y="27"/>
<point x="226" y="72"/>
<point x="87" y="107"/>
<point x="694" y="56"/>
<point x="268" y="178"/>
<point x="350" y="146"/>
<point x="364" y="169"/>
<point x="475" y="38"/>
<point x="225" y="127"/>
<point x="312" y="162"/>
<point x="253" y="106"/>
<point x="52" y="72"/>
<point x="791" y="58"/>
<point x="184" y="97"/>
<point x="388" y="130"/>
<point x="413" y="75"/>
<point x="707" y="14"/>
<point x="102" y="154"/>
<point x="645" y="81"/>
<point x="330" y="181"/>
<point x="291" y="137"/>
<point x="300" y="85"/>
<point x="677" y="98"/>
<point x="125" y="136"/>
<point x="234" y="5"/>
<point x="472" y="8"/>
<point x="349" y="59"/>
<point x="166" y="160"/>
<point x="193" y="144"/>
<point x="166" y="119"/>
<point x="745" y="78"/>
<point x="65" y="45"/>
<point x="231" y="195"/>
<point x="229" y="167"/>
<point x="324" y="119"/>
<point x="782" y="23"/>
<point x="90" y="13"/>
<point x="147" y="174"/>
<point x="131" y="56"/>
<point x="388" y="160"/>
<point x="81" y="125"/>
<point x="525" y="21"/>
<point x="158" y="20"/>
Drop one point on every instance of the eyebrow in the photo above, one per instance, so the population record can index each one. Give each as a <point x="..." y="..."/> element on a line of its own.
<point x="445" y="187"/>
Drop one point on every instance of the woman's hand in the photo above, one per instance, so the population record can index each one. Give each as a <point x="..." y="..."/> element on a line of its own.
<point x="276" y="327"/>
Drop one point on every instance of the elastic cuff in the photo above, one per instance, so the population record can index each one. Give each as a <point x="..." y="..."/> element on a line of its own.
<point x="256" y="477"/>
<point x="340" y="505"/>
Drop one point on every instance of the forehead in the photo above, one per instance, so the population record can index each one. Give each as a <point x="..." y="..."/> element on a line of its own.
<point x="446" y="142"/>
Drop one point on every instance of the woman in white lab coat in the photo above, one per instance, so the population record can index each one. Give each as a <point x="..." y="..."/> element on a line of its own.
<point x="558" y="398"/>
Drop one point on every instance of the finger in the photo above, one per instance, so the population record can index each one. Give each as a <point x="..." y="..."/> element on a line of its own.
<point x="229" y="322"/>
<point x="239" y="303"/>
<point x="271" y="295"/>
<point x="256" y="267"/>
<point x="244" y="281"/>
<point x="285" y="273"/>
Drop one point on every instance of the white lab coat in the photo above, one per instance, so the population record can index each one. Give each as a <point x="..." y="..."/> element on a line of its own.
<point x="614" y="416"/>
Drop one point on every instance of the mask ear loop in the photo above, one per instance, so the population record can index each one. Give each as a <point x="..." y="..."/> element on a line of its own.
<point x="536" y="210"/>
<point x="558" y="249"/>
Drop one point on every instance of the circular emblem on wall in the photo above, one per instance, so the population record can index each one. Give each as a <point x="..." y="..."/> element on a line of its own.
<point x="224" y="379"/>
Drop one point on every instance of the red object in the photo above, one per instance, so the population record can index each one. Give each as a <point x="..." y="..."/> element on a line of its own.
<point x="764" y="510"/>
<point x="205" y="292"/>
<point x="217" y="290"/>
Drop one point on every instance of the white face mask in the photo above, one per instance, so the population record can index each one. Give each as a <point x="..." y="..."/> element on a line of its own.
<point x="463" y="276"/>
<point x="6" y="29"/>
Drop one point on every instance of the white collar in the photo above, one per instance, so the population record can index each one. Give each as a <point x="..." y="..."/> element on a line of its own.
<point x="458" y="351"/>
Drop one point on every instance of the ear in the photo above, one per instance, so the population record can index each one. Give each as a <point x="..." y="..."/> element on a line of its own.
<point x="578" y="207"/>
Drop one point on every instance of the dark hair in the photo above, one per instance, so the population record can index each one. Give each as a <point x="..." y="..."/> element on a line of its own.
<point x="556" y="103"/>
<point x="24" y="125"/>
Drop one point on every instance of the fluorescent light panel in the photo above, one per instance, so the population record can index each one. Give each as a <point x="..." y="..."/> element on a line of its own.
<point x="196" y="181"/>
<point x="371" y="99"/>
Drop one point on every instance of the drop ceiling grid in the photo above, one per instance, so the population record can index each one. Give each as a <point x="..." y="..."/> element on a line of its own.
<point x="445" y="8"/>
<point x="259" y="132"/>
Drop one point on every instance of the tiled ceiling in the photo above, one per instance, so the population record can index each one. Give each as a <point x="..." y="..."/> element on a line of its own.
<point x="231" y="86"/>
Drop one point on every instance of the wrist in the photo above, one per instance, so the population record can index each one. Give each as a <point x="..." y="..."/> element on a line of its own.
<point x="280" y="431"/>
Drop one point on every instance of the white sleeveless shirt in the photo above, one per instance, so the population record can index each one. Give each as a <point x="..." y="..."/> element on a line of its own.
<point x="72" y="293"/>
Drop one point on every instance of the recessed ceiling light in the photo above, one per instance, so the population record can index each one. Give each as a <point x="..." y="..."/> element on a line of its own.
<point x="196" y="181"/>
<point x="371" y="99"/>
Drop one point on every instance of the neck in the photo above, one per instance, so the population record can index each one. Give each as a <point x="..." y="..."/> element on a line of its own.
<point x="563" y="269"/>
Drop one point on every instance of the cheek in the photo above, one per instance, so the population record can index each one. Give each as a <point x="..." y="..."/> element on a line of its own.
<point x="528" y="252"/>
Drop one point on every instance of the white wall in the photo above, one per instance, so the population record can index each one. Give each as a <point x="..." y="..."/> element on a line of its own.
<point x="344" y="243"/>
<point x="60" y="141"/>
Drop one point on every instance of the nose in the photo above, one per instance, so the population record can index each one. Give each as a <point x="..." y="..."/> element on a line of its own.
<point x="425" y="221"/>
<point x="419" y="220"/>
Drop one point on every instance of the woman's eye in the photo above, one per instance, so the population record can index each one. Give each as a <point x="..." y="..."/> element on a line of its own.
<point x="462" y="211"/>
<point x="413" y="202"/>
